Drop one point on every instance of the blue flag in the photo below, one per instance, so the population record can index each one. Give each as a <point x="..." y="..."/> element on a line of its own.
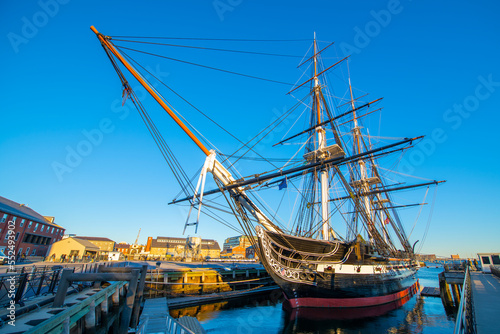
<point x="283" y="184"/>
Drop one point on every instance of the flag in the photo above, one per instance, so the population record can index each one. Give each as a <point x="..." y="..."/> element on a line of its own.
<point x="283" y="184"/>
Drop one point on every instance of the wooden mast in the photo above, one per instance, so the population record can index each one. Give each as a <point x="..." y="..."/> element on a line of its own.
<point x="216" y="168"/>
<point x="325" y="231"/>
<point x="139" y="78"/>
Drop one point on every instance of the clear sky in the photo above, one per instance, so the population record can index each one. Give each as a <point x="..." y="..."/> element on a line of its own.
<point x="435" y="63"/>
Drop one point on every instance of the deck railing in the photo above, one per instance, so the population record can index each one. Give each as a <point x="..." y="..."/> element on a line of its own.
<point x="465" y="323"/>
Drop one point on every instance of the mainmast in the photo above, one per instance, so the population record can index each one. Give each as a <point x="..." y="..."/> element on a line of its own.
<point x="320" y="131"/>
<point x="212" y="165"/>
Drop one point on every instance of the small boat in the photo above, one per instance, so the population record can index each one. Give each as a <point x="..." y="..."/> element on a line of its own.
<point x="340" y="186"/>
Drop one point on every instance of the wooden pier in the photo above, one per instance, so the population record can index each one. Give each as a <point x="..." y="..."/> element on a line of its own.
<point x="450" y="287"/>
<point x="156" y="319"/>
<point x="430" y="292"/>
<point x="111" y="305"/>
<point x="204" y="281"/>
<point x="486" y="299"/>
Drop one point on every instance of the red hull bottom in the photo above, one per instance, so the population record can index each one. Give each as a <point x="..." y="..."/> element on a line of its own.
<point x="353" y="302"/>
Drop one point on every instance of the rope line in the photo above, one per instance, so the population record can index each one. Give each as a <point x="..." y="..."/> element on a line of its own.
<point x="205" y="66"/>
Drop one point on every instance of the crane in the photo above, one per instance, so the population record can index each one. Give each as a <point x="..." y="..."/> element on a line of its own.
<point x="137" y="239"/>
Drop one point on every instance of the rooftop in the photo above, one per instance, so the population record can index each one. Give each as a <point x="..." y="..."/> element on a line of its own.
<point x="94" y="238"/>
<point x="22" y="210"/>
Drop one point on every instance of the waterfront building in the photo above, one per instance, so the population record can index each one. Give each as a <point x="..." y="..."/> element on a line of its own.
<point x="72" y="249"/>
<point x="487" y="260"/>
<point x="123" y="248"/>
<point x="165" y="247"/>
<point x="237" y="252"/>
<point x="33" y="233"/>
<point x="250" y="253"/>
<point x="104" y="244"/>
<point x="210" y="248"/>
<point x="426" y="257"/>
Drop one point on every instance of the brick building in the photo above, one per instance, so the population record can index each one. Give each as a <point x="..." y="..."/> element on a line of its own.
<point x="33" y="233"/>
<point x="237" y="252"/>
<point x="238" y="247"/>
<point x="123" y="248"/>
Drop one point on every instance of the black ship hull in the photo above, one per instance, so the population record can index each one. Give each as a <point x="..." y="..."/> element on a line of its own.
<point x="316" y="273"/>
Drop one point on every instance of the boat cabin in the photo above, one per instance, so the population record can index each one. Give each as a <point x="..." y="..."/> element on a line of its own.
<point x="487" y="260"/>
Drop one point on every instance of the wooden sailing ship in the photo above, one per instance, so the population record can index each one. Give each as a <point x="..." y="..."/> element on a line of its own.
<point x="374" y="262"/>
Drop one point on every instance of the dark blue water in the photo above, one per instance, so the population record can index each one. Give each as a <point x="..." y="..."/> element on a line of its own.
<point x="266" y="315"/>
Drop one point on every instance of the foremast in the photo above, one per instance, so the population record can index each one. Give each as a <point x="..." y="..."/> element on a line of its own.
<point x="219" y="172"/>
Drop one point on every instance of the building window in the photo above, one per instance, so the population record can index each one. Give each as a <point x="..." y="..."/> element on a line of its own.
<point x="27" y="251"/>
<point x="33" y="253"/>
<point x="36" y="227"/>
<point x="41" y="228"/>
<point x="6" y="236"/>
<point x="20" y="251"/>
<point x="22" y="223"/>
<point x="14" y="219"/>
<point x="29" y="225"/>
<point x="52" y="230"/>
<point x="4" y="218"/>
<point x="17" y="235"/>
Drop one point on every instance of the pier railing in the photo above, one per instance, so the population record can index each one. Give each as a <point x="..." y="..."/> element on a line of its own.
<point x="466" y="323"/>
<point x="27" y="282"/>
<point x="63" y="321"/>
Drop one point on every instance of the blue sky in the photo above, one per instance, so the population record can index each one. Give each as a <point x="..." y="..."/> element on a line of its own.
<point x="435" y="64"/>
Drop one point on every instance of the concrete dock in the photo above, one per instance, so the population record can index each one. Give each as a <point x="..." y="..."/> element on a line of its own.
<point x="486" y="297"/>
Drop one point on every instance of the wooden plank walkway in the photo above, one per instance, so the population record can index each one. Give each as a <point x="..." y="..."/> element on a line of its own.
<point x="486" y="295"/>
<point x="156" y="319"/>
<point x="430" y="292"/>
<point x="155" y="312"/>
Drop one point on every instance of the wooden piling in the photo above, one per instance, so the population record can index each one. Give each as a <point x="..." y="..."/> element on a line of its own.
<point x="444" y="291"/>
<point x="90" y="319"/>
<point x="456" y="293"/>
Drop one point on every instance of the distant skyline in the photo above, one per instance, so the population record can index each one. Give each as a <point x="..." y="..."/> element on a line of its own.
<point x="69" y="148"/>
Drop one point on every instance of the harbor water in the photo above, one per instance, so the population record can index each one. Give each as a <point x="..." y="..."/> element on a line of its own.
<point x="266" y="314"/>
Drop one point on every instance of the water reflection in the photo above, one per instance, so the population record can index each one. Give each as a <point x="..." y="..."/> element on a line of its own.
<point x="328" y="314"/>
<point x="268" y="314"/>
<point x="365" y="319"/>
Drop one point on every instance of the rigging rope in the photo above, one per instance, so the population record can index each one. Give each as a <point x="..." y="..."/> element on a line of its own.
<point x="419" y="212"/>
<point x="194" y="107"/>
<point x="428" y="220"/>
<point x="214" y="39"/>
<point x="205" y="66"/>
<point x="211" y="49"/>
